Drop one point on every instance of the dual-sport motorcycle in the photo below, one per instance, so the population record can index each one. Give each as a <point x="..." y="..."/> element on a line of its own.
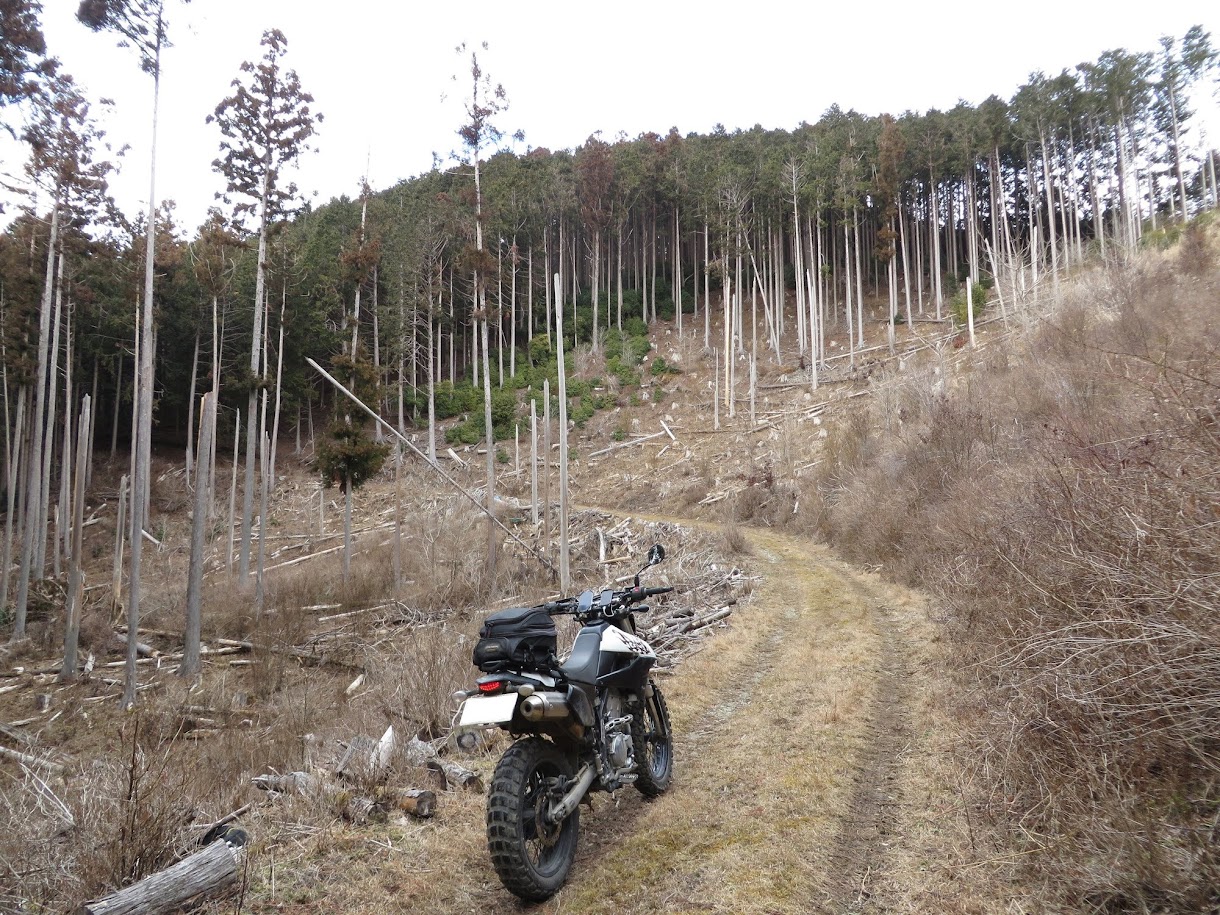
<point x="592" y="722"/>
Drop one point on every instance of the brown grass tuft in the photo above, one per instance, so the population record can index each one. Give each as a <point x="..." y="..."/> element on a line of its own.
<point x="1064" y="505"/>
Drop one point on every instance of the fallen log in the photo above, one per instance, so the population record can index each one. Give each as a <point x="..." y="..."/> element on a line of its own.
<point x="142" y="649"/>
<point x="211" y="869"/>
<point x="357" y="809"/>
<point x="423" y="755"/>
<point x="288" y="783"/>
<point x="362" y="809"/>
<point x="418" y="802"/>
<point x="28" y="760"/>
<point x="301" y="655"/>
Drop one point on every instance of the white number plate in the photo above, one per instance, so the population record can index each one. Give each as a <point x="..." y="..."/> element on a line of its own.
<point x="488" y="709"/>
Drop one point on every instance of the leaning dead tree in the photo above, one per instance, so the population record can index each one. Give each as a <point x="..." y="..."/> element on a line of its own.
<point x="446" y="477"/>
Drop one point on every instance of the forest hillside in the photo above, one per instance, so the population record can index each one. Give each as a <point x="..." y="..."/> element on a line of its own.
<point x="262" y="478"/>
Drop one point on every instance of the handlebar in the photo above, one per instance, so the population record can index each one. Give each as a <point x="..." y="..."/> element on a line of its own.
<point x="563" y="605"/>
<point x="649" y="592"/>
<point x="618" y="600"/>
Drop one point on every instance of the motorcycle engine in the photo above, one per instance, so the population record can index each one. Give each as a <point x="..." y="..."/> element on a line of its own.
<point x="617" y="728"/>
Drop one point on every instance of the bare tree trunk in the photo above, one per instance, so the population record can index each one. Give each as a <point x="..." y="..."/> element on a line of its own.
<point x="142" y="436"/>
<point x="1050" y="214"/>
<point x="490" y="438"/>
<point x="13" y="448"/>
<point x="847" y="274"/>
<point x="120" y="531"/>
<point x="970" y="308"/>
<point x="279" y="379"/>
<point x="209" y="870"/>
<point x="256" y="353"/>
<point x="48" y="448"/>
<point x="264" y="458"/>
<point x="397" y="516"/>
<point x="934" y="234"/>
<point x="855" y="214"/>
<point x="65" y="475"/>
<point x="619" y="277"/>
<point x="118" y="400"/>
<point x="533" y="464"/>
<point x="564" y="554"/>
<point x="596" y="248"/>
<point x="33" y="481"/>
<point x="546" y="461"/>
<point x="190" y="665"/>
<point x="512" y="317"/>
<point x="190" y="413"/>
<point x="233" y="495"/>
<point x="707" y="289"/>
<point x="432" y="360"/>
<point x="73" y="611"/>
<point x="347" y="529"/>
<point x="377" y="434"/>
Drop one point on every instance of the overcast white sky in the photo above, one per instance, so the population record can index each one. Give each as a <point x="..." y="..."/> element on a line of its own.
<point x="378" y="70"/>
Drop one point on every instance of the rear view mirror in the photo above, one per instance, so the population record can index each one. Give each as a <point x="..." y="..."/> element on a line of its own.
<point x="656" y="554"/>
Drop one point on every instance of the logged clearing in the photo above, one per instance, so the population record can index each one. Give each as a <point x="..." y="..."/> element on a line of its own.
<point x="815" y="767"/>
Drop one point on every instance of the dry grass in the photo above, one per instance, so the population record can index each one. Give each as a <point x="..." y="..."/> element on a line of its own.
<point x="1064" y="504"/>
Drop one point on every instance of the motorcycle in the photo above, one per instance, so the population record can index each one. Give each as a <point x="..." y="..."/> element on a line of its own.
<point x="594" y="721"/>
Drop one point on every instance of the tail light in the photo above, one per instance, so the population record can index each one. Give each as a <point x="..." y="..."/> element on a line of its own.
<point x="491" y="687"/>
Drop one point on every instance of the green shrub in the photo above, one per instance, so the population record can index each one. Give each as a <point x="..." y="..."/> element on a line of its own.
<point x="958" y="303"/>
<point x="454" y="400"/>
<point x="346" y="453"/>
<point x="661" y="367"/>
<point x="540" y="352"/>
<point x="466" y="433"/>
<point x="635" y="327"/>
<point x="581" y="413"/>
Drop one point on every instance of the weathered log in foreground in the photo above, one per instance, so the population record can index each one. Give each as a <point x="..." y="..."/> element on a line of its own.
<point x="209" y="870"/>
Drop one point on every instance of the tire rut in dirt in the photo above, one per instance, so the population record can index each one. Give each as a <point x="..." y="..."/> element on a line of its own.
<point x="719" y="716"/>
<point x="859" y="854"/>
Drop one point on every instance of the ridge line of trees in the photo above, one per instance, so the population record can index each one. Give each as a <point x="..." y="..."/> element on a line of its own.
<point x="853" y="218"/>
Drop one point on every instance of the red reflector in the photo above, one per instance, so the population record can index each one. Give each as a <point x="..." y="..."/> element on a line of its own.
<point x="493" y="687"/>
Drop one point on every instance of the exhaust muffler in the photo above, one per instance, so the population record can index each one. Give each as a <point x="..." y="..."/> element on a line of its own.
<point x="545" y="705"/>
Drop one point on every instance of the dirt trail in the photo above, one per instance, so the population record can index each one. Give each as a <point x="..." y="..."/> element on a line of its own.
<point x="793" y="737"/>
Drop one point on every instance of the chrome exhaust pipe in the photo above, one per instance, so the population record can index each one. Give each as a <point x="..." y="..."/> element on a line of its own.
<point x="545" y="705"/>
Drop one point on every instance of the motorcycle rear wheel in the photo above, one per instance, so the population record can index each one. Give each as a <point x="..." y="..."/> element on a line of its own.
<point x="653" y="745"/>
<point x="531" y="857"/>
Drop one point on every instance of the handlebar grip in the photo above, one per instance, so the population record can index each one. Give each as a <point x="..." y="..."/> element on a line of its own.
<point x="649" y="592"/>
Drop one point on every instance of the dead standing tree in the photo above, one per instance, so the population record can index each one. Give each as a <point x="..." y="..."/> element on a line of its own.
<point x="479" y="132"/>
<point x="63" y="139"/>
<point x="140" y="24"/>
<point x="265" y="126"/>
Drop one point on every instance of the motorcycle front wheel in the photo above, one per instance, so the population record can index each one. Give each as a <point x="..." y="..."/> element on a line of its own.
<point x="654" y="746"/>
<point x="531" y="856"/>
